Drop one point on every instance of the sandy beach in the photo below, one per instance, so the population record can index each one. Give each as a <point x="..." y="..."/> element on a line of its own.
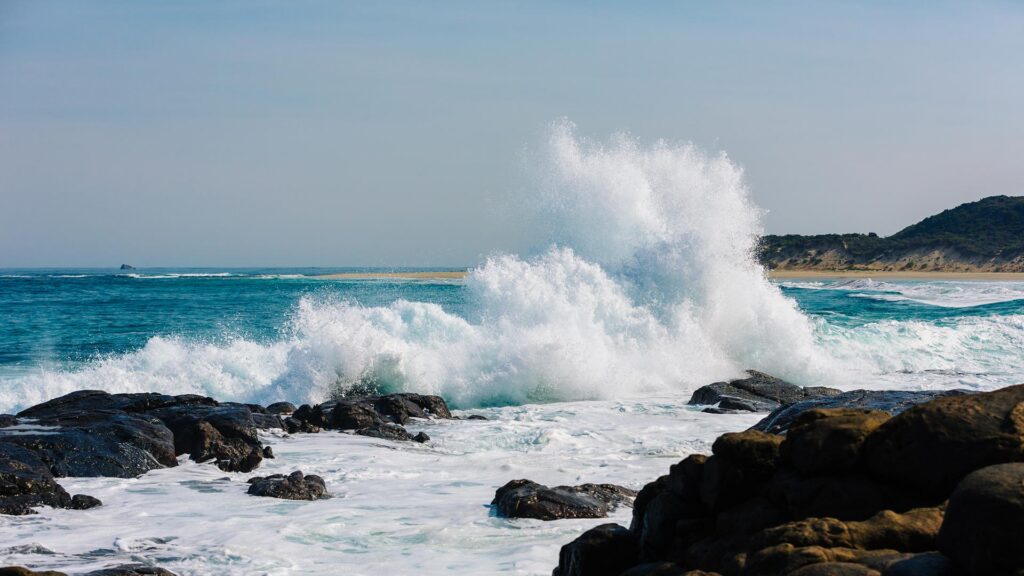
<point x="894" y="275"/>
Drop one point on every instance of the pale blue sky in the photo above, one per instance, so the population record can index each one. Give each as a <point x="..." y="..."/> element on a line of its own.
<point x="385" y="133"/>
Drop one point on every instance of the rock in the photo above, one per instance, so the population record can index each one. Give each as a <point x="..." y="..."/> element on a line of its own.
<point x="96" y="443"/>
<point x="268" y="452"/>
<point x="526" y="499"/>
<point x="741" y="461"/>
<point x="758" y="392"/>
<point x="923" y="564"/>
<point x="281" y="408"/>
<point x="267" y="421"/>
<point x="84" y="502"/>
<point x="26" y="482"/>
<point x="914" y="531"/>
<point x="131" y="570"/>
<point x="225" y="434"/>
<point x="668" y="512"/>
<point x="387" y="432"/>
<point x="22" y="571"/>
<point x="890" y="401"/>
<point x="835" y="569"/>
<point x="606" y="550"/>
<point x="984" y="520"/>
<point x="127" y="267"/>
<point x="847" y="497"/>
<point x="7" y="420"/>
<point x="664" y="569"/>
<point x="295" y="486"/>
<point x="474" y="417"/>
<point x="294" y="426"/>
<point x="421" y="437"/>
<point x="830" y="440"/>
<point x="932" y="446"/>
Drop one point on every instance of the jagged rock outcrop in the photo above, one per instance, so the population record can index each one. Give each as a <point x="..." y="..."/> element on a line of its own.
<point x="847" y="491"/>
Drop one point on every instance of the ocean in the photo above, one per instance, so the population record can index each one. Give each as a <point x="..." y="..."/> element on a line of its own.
<point x="582" y="353"/>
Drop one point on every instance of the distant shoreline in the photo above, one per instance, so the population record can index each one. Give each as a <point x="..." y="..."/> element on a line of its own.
<point x="893" y="275"/>
<point x="773" y="274"/>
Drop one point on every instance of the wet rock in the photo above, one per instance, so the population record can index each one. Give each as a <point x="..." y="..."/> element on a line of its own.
<point x="931" y="447"/>
<point x="295" y="426"/>
<point x="294" y="486"/>
<point x="668" y="512"/>
<point x="890" y="401"/>
<point x="758" y="392"/>
<point x="387" y="432"/>
<point x="267" y="421"/>
<point x="8" y="420"/>
<point x="421" y="437"/>
<point x="664" y="569"/>
<point x="474" y="417"/>
<point x="84" y="502"/>
<point x="281" y="408"/>
<point x="268" y="452"/>
<point x="606" y="550"/>
<point x="225" y="434"/>
<point x="835" y="569"/>
<point x="22" y="571"/>
<point x="26" y="482"/>
<point x="96" y="443"/>
<point x="830" y="440"/>
<point x="984" y="520"/>
<point x="527" y="499"/>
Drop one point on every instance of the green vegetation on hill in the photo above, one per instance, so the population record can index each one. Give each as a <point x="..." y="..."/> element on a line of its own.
<point x="987" y="233"/>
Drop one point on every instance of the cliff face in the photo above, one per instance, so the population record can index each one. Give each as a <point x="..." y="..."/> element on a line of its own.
<point x="982" y="236"/>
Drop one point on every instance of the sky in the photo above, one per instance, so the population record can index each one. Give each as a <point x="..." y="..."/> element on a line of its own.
<point x="333" y="133"/>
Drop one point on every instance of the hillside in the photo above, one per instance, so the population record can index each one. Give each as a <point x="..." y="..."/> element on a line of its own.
<point x="982" y="236"/>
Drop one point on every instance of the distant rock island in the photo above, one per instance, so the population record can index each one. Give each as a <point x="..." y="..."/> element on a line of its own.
<point x="127" y="267"/>
<point x="982" y="236"/>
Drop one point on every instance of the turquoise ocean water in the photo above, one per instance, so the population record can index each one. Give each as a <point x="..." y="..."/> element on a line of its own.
<point x="246" y="328"/>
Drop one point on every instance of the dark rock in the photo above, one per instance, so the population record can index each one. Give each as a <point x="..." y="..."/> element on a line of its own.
<point x="668" y="512"/>
<point x="847" y="497"/>
<point x="225" y="434"/>
<point x="891" y="401"/>
<point x="351" y="415"/>
<point x="758" y="392"/>
<point x="22" y="571"/>
<point x="931" y="447"/>
<point x="984" y="520"/>
<point x="295" y="486"/>
<point x="7" y="420"/>
<point x="474" y="417"/>
<point x="526" y="499"/>
<point x="267" y="421"/>
<point x="835" y="569"/>
<point x="84" y="502"/>
<point x="26" y="482"/>
<point x="294" y="426"/>
<point x="923" y="564"/>
<point x="421" y="437"/>
<point x="98" y="443"/>
<point x="268" y="452"/>
<point x="281" y="408"/>
<point x="824" y="441"/>
<point x="664" y="569"/>
<point x="131" y="570"/>
<point x="606" y="550"/>
<point x="387" y="432"/>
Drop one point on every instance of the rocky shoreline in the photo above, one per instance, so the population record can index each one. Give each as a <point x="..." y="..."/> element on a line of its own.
<point x="829" y="482"/>
<point x="850" y="484"/>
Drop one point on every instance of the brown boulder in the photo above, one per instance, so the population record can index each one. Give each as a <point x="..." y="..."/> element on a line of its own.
<point x="984" y="519"/>
<point x="932" y="446"/>
<point x="829" y="441"/>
